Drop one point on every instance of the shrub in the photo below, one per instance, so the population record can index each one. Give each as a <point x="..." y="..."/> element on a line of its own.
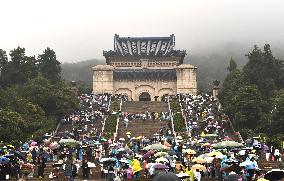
<point x="179" y="123"/>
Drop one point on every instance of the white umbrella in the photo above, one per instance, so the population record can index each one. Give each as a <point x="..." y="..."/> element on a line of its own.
<point x="209" y="159"/>
<point x="121" y="139"/>
<point x="162" y="159"/>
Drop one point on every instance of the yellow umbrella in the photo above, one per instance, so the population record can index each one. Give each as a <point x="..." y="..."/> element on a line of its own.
<point x="262" y="179"/>
<point x="128" y="132"/>
<point x="198" y="167"/>
<point x="198" y="160"/>
<point x="214" y="153"/>
<point x="11" y="146"/>
<point x="136" y="167"/>
<point x="189" y="151"/>
<point x="206" y="144"/>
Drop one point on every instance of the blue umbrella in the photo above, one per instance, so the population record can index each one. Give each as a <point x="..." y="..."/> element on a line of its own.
<point x="4" y="160"/>
<point x="248" y="164"/>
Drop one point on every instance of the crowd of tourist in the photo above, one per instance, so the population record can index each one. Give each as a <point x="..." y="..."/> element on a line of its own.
<point x="208" y="150"/>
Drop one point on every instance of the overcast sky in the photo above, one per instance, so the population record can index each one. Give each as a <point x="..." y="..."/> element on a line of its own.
<point x="80" y="30"/>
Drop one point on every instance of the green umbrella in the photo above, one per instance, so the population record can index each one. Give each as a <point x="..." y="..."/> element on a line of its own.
<point x="227" y="144"/>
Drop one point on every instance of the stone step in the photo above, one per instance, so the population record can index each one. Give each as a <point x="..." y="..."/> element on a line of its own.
<point x="140" y="106"/>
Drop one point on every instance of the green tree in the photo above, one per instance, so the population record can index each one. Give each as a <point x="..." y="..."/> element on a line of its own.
<point x="11" y="126"/>
<point x="49" y="66"/>
<point x="232" y="66"/>
<point x="246" y="107"/>
<point x="231" y="85"/>
<point x="277" y="124"/>
<point x="3" y="59"/>
<point x="20" y="69"/>
<point x="264" y="70"/>
<point x="55" y="99"/>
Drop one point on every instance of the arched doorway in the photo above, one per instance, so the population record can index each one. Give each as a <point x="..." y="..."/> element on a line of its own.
<point x="144" y="96"/>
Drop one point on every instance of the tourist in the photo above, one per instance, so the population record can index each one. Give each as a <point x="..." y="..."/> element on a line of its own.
<point x="85" y="169"/>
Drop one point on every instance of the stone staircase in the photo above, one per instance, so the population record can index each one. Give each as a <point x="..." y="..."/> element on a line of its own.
<point x="146" y="127"/>
<point x="143" y="106"/>
<point x="68" y="127"/>
<point x="140" y="127"/>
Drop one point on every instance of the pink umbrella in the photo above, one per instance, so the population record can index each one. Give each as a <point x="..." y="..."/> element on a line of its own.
<point x="33" y="143"/>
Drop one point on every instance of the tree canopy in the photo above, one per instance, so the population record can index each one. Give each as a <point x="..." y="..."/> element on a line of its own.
<point x="253" y="97"/>
<point x="32" y="95"/>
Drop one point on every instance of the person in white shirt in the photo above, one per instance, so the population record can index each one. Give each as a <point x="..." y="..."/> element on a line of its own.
<point x="197" y="175"/>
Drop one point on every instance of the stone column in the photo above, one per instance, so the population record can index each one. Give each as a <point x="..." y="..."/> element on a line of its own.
<point x="103" y="79"/>
<point x="216" y="88"/>
<point x="186" y="79"/>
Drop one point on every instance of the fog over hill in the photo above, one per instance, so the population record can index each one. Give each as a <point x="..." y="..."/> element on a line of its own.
<point x="211" y="64"/>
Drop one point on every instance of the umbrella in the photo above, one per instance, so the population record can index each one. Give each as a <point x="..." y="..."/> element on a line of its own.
<point x="183" y="175"/>
<point x="128" y="133"/>
<point x="220" y="156"/>
<point x="121" y="149"/>
<point x="198" y="160"/>
<point x="198" y="167"/>
<point x="147" y="155"/>
<point x="69" y="142"/>
<point x="230" y="161"/>
<point x="161" y="154"/>
<point x="248" y="164"/>
<point x="206" y="144"/>
<point x="275" y="174"/>
<point x="209" y="159"/>
<point x="10" y="147"/>
<point x="107" y="160"/>
<point x="165" y="176"/>
<point x="161" y="159"/>
<point x="159" y="166"/>
<point x="121" y="139"/>
<point x="172" y="152"/>
<point x="155" y="147"/>
<point x="4" y="160"/>
<point x="179" y="137"/>
<point x="167" y="144"/>
<point x="203" y="155"/>
<point x="189" y="151"/>
<point x="32" y="147"/>
<point x="33" y="143"/>
<point x="54" y="145"/>
<point x="124" y="161"/>
<point x="265" y="147"/>
<point x="19" y="155"/>
<point x="227" y="144"/>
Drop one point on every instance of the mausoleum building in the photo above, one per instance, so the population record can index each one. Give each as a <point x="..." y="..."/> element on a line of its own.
<point x="145" y="69"/>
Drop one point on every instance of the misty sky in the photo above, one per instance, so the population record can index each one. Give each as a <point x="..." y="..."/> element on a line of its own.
<point x="80" y="30"/>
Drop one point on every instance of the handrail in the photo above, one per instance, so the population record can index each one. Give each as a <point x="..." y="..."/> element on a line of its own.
<point x="57" y="128"/>
<point x="184" y="118"/>
<point x="117" y="121"/>
<point x="104" y="121"/>
<point x="171" y="116"/>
